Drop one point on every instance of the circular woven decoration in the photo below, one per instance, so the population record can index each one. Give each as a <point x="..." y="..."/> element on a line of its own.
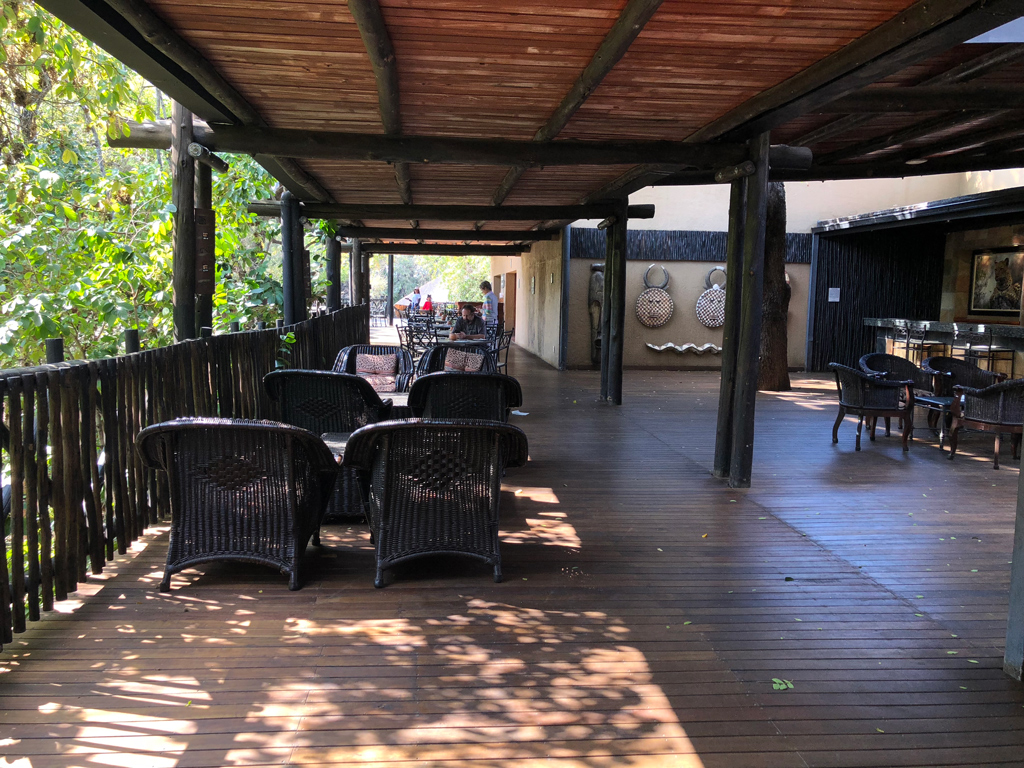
<point x="654" y="307"/>
<point x="711" y="307"/>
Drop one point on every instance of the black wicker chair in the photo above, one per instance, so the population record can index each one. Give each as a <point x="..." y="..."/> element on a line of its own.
<point x="870" y="396"/>
<point x="433" y="486"/>
<point x="997" y="408"/>
<point x="949" y="372"/>
<point x="252" y="491"/>
<point x="501" y="353"/>
<point x="895" y="368"/>
<point x="347" y="357"/>
<point x="433" y="360"/>
<point x="454" y="395"/>
<point x="324" y="401"/>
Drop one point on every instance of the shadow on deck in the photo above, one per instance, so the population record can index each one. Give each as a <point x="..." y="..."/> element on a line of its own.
<point x="646" y="611"/>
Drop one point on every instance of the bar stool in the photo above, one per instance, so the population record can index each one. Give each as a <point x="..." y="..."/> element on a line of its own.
<point x="979" y="347"/>
<point x="911" y="337"/>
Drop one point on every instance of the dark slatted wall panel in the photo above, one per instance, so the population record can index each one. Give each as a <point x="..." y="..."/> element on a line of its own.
<point x="676" y="245"/>
<point x="878" y="274"/>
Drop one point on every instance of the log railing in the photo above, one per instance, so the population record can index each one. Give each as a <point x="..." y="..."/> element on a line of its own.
<point x="78" y="491"/>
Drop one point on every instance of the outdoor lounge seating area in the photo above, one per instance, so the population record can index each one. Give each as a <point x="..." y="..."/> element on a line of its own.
<point x="642" y="629"/>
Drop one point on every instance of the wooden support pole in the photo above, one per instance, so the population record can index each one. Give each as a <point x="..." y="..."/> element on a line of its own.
<point x="355" y="283"/>
<point x="429" y="249"/>
<point x="289" y="217"/>
<point x="205" y="157"/>
<point x="364" y="274"/>
<point x="300" y="270"/>
<point x="454" y="235"/>
<point x="733" y="288"/>
<point x="606" y="306"/>
<point x="1013" y="657"/>
<point x="617" y="315"/>
<point x="391" y="289"/>
<point x="183" y="198"/>
<point x="930" y="98"/>
<point x="132" y="343"/>
<point x="748" y="347"/>
<point x="54" y="350"/>
<point x="333" y="274"/>
<point x="204" y="200"/>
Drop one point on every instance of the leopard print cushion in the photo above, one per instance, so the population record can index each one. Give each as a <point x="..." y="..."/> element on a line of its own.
<point x="458" y="360"/>
<point x="380" y="370"/>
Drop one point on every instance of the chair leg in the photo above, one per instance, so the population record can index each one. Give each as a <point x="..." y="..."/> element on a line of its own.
<point x="497" y="573"/>
<point x="1015" y="442"/>
<point x="872" y="426"/>
<point x="165" y="583"/>
<point x="860" y="426"/>
<point x="908" y="431"/>
<point x="996" y="452"/>
<point x="887" y="428"/>
<point x="835" y="427"/>
<point x="953" y="436"/>
<point x="378" y="582"/>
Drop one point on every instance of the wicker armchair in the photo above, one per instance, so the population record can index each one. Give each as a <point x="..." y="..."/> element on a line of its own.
<point x="453" y="395"/>
<point x="894" y="368"/>
<point x="252" y="491"/>
<point x="324" y="401"/>
<point x="433" y="487"/>
<point x="997" y="408"/>
<point x="868" y="396"/>
<point x="433" y="360"/>
<point x="949" y="372"/>
<point x="346" y="361"/>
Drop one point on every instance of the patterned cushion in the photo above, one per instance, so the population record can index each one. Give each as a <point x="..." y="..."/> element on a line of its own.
<point x="458" y="360"/>
<point x="380" y="383"/>
<point x="379" y="365"/>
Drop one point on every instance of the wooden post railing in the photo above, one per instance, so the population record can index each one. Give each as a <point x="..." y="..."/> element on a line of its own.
<point x="78" y="491"/>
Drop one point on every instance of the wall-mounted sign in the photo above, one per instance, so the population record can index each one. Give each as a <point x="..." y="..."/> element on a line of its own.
<point x="833" y="295"/>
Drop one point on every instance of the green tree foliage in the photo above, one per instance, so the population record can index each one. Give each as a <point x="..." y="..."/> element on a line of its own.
<point x="85" y="247"/>
<point x="461" y="275"/>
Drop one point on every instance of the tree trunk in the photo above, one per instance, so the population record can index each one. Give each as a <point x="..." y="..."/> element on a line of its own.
<point x="774" y="370"/>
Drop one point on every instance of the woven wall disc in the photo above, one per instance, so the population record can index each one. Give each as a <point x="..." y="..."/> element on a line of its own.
<point x="711" y="307"/>
<point x="654" y="307"/>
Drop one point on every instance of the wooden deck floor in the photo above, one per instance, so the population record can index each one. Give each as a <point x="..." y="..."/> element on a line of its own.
<point x="646" y="610"/>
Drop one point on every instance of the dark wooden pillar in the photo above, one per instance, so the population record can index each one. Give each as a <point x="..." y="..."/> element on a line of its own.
<point x="748" y="347"/>
<point x="617" y="313"/>
<point x="391" y="289"/>
<point x="355" y="283"/>
<point x="333" y="256"/>
<point x="204" y="202"/>
<point x="364" y="274"/>
<point x="289" y="278"/>
<point x="606" y="307"/>
<point x="1013" y="656"/>
<point x="183" y="197"/>
<point x="733" y="289"/>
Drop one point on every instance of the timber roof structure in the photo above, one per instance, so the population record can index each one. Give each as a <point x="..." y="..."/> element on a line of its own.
<point x="567" y="102"/>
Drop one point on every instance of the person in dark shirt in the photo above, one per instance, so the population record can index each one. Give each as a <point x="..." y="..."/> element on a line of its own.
<point x="468" y="326"/>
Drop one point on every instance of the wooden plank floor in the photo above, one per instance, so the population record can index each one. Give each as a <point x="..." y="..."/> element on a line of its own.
<point x="645" y="612"/>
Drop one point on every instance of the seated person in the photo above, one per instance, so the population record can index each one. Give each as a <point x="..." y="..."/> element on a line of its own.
<point x="469" y="325"/>
<point x="428" y="305"/>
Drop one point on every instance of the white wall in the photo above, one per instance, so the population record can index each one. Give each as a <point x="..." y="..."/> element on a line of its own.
<point x="808" y="202"/>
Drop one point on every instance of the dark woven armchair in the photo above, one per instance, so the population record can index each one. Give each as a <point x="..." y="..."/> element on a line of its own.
<point x="433" y="487"/>
<point x="452" y="395"/>
<point x="949" y="372"/>
<point x="869" y="396"/>
<point x="434" y="359"/>
<point x="997" y="408"/>
<point x="252" y="491"/>
<point x="324" y="401"/>
<point x="347" y="360"/>
<point x="896" y="368"/>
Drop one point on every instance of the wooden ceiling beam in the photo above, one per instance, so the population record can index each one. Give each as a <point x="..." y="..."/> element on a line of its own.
<point x="436" y="150"/>
<point x="925" y="29"/>
<point x="931" y="98"/>
<point x="457" y="235"/>
<point x="598" y="210"/>
<point x="377" y="40"/>
<point x="961" y="73"/>
<point x="895" y="139"/>
<point x="620" y="37"/>
<point x="430" y="249"/>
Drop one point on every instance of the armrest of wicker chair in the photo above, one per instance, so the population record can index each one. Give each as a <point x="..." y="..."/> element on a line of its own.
<point x="896" y="368"/>
<point x="454" y="394"/>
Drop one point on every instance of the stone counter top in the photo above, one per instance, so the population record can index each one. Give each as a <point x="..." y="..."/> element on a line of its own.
<point x="999" y="330"/>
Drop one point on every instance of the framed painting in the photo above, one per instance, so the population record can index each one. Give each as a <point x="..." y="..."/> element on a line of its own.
<point x="996" y="277"/>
